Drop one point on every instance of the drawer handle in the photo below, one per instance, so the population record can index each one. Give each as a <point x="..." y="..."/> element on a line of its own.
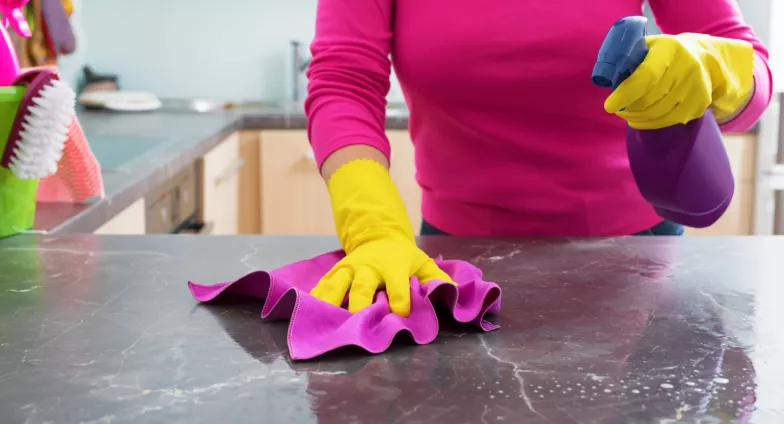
<point x="206" y="228"/>
<point x="203" y="228"/>
<point x="230" y="171"/>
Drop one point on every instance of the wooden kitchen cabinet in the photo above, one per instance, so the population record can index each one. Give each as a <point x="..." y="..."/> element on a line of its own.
<point x="294" y="198"/>
<point x="219" y="176"/>
<point x="738" y="219"/>
<point x="250" y="183"/>
<point x="131" y="221"/>
<point x="403" y="172"/>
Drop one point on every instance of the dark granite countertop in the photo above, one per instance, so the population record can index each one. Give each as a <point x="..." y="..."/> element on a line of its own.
<point x="139" y="151"/>
<point x="101" y="329"/>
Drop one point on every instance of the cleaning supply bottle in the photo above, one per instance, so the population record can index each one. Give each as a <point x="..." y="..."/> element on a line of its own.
<point x="9" y="62"/>
<point x="36" y="109"/>
<point x="683" y="170"/>
<point x="11" y="14"/>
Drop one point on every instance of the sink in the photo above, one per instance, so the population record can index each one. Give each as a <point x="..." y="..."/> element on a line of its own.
<point x="276" y="107"/>
<point x="114" y="152"/>
<point x="212" y="106"/>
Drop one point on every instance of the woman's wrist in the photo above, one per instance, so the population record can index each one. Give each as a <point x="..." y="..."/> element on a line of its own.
<point x="350" y="153"/>
<point x="742" y="107"/>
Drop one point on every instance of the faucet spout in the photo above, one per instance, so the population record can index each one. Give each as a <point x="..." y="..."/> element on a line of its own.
<point x="299" y="66"/>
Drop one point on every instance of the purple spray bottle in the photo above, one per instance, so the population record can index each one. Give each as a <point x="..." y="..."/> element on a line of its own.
<point x="683" y="171"/>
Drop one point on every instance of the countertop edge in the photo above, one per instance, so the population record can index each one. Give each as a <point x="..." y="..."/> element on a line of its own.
<point x="101" y="211"/>
<point x="110" y="206"/>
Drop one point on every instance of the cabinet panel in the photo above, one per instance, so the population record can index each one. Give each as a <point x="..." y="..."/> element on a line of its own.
<point x="741" y="149"/>
<point x="294" y="197"/>
<point x="250" y="184"/>
<point x="220" y="186"/>
<point x="403" y="171"/>
<point x="737" y="220"/>
<point x="131" y="221"/>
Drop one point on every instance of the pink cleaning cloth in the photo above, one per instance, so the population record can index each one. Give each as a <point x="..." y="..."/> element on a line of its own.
<point x="78" y="175"/>
<point x="317" y="327"/>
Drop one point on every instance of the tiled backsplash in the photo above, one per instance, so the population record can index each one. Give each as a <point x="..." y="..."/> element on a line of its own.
<point x="233" y="49"/>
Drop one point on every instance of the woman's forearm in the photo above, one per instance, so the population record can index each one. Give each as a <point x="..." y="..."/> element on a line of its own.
<point x="348" y="80"/>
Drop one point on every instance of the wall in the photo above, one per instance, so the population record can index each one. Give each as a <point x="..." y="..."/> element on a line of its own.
<point x="234" y="49"/>
<point x="70" y="66"/>
<point x="237" y="49"/>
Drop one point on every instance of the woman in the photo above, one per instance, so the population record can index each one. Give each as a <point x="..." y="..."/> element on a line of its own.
<point x="511" y="136"/>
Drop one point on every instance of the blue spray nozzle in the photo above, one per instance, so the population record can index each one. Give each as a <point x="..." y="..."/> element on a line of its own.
<point x="622" y="51"/>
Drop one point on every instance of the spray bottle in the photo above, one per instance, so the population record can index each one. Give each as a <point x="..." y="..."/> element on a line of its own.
<point x="683" y="170"/>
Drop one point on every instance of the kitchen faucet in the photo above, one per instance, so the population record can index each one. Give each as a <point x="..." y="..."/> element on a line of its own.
<point x="299" y="65"/>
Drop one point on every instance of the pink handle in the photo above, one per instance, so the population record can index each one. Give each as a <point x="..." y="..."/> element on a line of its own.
<point x="14" y="16"/>
<point x="11" y="11"/>
<point x="9" y="62"/>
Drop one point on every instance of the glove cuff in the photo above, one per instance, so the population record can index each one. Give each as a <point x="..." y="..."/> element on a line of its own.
<point x="366" y="204"/>
<point x="730" y="64"/>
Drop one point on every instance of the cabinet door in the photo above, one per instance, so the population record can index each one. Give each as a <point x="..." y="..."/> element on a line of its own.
<point x="403" y="171"/>
<point x="294" y="198"/>
<point x="249" y="180"/>
<point x="131" y="221"/>
<point x="220" y="187"/>
<point x="737" y="220"/>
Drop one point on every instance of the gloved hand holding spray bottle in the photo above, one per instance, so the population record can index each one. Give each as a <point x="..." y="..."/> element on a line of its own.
<point x="36" y="109"/>
<point x="671" y="99"/>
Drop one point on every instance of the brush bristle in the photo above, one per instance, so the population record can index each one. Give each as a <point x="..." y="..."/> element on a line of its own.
<point x="44" y="132"/>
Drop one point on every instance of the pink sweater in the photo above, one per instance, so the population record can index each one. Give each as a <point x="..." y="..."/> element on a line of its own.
<point x="511" y="136"/>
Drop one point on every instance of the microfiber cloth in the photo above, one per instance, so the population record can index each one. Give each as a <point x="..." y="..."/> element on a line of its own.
<point x="317" y="327"/>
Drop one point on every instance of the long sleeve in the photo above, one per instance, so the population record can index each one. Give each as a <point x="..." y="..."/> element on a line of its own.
<point x="349" y="75"/>
<point x="720" y="18"/>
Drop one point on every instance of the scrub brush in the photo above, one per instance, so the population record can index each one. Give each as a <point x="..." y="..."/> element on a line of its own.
<point x="40" y="129"/>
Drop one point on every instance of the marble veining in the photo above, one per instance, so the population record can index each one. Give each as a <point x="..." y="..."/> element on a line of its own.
<point x="102" y="329"/>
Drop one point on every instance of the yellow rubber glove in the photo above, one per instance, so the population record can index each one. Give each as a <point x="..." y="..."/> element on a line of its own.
<point x="681" y="77"/>
<point x="375" y="231"/>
